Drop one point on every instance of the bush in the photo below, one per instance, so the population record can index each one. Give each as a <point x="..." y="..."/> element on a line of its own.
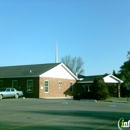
<point x="83" y="95"/>
<point x="76" y="97"/>
<point x="99" y="89"/>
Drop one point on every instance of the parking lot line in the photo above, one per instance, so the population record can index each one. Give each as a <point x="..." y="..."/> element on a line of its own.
<point x="39" y="122"/>
<point x="103" y="126"/>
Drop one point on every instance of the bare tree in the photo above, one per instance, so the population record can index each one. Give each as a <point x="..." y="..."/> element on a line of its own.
<point x="74" y="64"/>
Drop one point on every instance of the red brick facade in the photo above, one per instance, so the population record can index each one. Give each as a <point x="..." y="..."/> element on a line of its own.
<point x="57" y="87"/>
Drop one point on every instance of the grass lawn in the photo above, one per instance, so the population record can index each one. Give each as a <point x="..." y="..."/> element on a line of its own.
<point x="116" y="99"/>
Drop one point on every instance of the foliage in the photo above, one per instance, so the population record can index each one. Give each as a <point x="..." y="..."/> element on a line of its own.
<point x="113" y="90"/>
<point x="74" y="64"/>
<point x="125" y="73"/>
<point x="114" y="73"/>
<point x="99" y="89"/>
<point x="128" y="55"/>
<point x="83" y="95"/>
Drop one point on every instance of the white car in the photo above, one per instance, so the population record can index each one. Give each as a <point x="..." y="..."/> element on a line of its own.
<point x="10" y="92"/>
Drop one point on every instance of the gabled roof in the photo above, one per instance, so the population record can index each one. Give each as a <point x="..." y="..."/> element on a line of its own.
<point x="108" y="78"/>
<point x="25" y="70"/>
<point x="68" y="70"/>
<point x="60" y="71"/>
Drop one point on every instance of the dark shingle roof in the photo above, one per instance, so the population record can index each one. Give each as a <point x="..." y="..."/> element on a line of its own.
<point x="90" y="78"/>
<point x="25" y="70"/>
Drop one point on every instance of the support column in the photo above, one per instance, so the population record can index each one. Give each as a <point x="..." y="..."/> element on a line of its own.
<point x="88" y="89"/>
<point x="119" y="86"/>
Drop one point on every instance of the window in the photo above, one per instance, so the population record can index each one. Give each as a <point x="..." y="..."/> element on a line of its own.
<point x="1" y="84"/>
<point x="12" y="89"/>
<point x="71" y="87"/>
<point x="46" y="86"/>
<point x="14" y="83"/>
<point x="7" y="90"/>
<point x="60" y="85"/>
<point x="30" y="86"/>
<point x="84" y="87"/>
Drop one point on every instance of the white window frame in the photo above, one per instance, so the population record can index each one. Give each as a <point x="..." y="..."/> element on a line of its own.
<point x="13" y="83"/>
<point x="71" y="86"/>
<point x="2" y="82"/>
<point x="29" y="88"/>
<point x="46" y="86"/>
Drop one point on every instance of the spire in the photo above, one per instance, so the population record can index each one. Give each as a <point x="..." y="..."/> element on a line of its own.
<point x="56" y="56"/>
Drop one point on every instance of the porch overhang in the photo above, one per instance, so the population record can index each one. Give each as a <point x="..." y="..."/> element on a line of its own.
<point x="84" y="82"/>
<point x="109" y="79"/>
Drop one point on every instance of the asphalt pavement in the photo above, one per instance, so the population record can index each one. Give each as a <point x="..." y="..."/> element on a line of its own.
<point x="61" y="114"/>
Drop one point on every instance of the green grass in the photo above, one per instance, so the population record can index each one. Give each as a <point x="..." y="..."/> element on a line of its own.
<point x="121" y="99"/>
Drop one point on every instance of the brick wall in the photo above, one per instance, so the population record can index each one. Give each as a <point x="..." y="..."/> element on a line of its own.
<point x="38" y="87"/>
<point x="54" y="89"/>
<point x="22" y="83"/>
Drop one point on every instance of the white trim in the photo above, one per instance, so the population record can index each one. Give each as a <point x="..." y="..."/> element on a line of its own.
<point x="12" y="83"/>
<point x="46" y="86"/>
<point x="64" y="66"/>
<point x="28" y="86"/>
<point x="116" y="80"/>
<point x="121" y="81"/>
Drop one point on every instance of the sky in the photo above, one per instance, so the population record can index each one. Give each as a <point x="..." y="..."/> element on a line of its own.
<point x="98" y="31"/>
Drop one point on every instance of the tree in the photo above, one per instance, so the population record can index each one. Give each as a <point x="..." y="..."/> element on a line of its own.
<point x="74" y="64"/>
<point x="114" y="73"/>
<point x="125" y="73"/>
<point x="99" y="89"/>
<point x="128" y="55"/>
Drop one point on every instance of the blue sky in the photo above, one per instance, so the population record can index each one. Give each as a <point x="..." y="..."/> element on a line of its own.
<point x="98" y="31"/>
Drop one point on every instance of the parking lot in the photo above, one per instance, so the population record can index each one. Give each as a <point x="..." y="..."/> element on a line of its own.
<point x="48" y="114"/>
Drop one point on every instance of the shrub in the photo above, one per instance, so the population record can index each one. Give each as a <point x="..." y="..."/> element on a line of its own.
<point x="83" y="95"/>
<point x="99" y="89"/>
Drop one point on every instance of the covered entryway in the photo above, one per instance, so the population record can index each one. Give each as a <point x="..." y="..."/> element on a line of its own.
<point x="86" y="82"/>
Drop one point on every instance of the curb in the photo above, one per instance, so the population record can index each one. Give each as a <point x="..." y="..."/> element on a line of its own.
<point x="88" y="100"/>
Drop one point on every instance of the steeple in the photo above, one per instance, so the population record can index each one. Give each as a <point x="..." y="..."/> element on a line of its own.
<point x="56" y="55"/>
